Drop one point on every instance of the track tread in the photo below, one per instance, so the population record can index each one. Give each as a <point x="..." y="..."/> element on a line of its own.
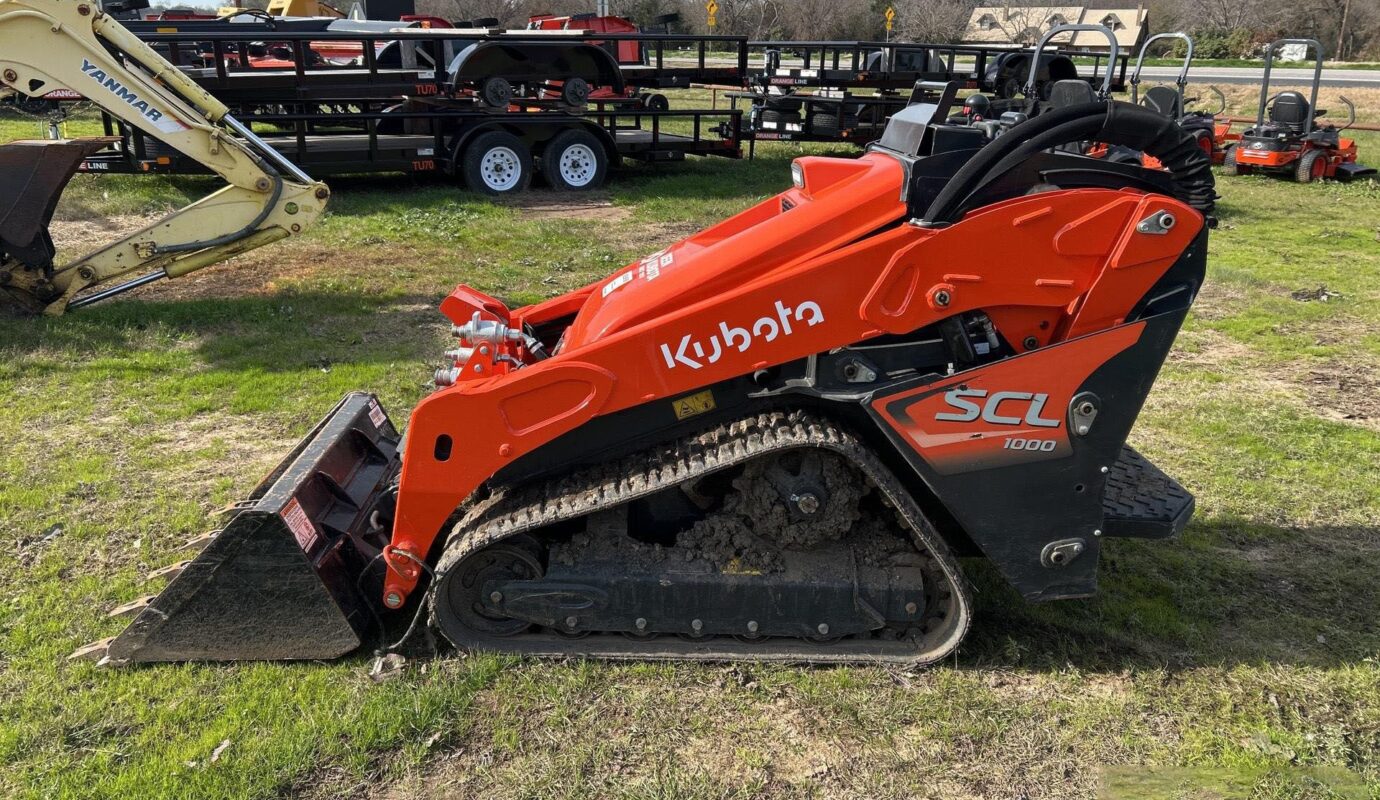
<point x="514" y="511"/>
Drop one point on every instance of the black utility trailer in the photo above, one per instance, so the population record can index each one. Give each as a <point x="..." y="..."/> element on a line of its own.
<point x="493" y="153"/>
<point x="399" y="100"/>
<point x="844" y="91"/>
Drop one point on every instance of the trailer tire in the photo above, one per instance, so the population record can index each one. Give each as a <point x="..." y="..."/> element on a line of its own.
<point x="497" y="163"/>
<point x="575" y="91"/>
<point x="780" y="117"/>
<point x="1312" y="166"/>
<point x="575" y="161"/>
<point x="656" y="102"/>
<point x="826" y="123"/>
<point x="496" y="92"/>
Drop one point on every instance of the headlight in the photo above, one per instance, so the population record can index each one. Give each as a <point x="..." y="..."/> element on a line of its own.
<point x="797" y="175"/>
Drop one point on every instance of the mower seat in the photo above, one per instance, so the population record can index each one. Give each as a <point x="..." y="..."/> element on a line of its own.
<point x="1162" y="100"/>
<point x="1290" y="110"/>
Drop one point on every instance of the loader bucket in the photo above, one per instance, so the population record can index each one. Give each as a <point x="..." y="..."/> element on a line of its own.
<point x="32" y="177"/>
<point x="279" y="581"/>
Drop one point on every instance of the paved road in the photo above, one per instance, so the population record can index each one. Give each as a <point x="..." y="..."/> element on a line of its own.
<point x="1364" y="78"/>
<point x="1282" y="76"/>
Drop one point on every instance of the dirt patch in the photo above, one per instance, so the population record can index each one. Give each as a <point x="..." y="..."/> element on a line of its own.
<point x="1346" y="390"/>
<point x="1218" y="300"/>
<point x="562" y="205"/>
<point x="252" y="273"/>
<point x="652" y="237"/>
<point x="1208" y="348"/>
<point x="77" y="237"/>
<point x="255" y="273"/>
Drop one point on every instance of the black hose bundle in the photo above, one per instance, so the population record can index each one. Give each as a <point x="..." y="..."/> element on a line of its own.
<point x="1114" y="123"/>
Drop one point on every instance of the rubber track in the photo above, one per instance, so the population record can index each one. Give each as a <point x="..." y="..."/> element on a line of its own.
<point x="505" y="514"/>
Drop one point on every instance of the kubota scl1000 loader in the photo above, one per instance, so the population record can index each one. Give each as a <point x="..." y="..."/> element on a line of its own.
<point x="771" y="440"/>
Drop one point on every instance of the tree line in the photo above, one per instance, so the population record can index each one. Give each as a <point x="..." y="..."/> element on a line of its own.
<point x="1348" y="29"/>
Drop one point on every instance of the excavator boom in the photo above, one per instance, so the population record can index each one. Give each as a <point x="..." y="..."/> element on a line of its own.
<point x="52" y="45"/>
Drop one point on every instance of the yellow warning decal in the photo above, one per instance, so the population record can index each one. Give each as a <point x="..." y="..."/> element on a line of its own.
<point x="690" y="405"/>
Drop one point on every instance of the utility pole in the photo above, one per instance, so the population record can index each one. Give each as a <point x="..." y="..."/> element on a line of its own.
<point x="602" y="8"/>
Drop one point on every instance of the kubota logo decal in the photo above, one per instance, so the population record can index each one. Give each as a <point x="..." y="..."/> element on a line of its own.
<point x="693" y="353"/>
<point x="990" y="410"/>
<point x="153" y="115"/>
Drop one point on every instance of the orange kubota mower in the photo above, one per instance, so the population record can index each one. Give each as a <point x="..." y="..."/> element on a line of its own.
<point x="1286" y="140"/>
<point x="770" y="440"/>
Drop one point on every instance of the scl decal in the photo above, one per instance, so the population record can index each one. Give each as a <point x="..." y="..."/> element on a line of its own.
<point x="991" y="411"/>
<point x="693" y="353"/>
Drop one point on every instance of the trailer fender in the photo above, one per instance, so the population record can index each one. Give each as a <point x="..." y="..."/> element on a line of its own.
<point x="531" y="62"/>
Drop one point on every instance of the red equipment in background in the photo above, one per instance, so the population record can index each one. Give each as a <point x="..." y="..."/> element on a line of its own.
<point x="1286" y="139"/>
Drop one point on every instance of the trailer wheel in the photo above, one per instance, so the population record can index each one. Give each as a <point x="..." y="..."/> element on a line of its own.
<point x="574" y="161"/>
<point x="497" y="163"/>
<point x="575" y="91"/>
<point x="1312" y="166"/>
<point x="780" y="117"/>
<point x="496" y="92"/>
<point x="656" y="102"/>
<point x="826" y="123"/>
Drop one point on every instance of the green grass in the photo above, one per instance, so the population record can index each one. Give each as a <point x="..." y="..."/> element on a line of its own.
<point x="1242" y="660"/>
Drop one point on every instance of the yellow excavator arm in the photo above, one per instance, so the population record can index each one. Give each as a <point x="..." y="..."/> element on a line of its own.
<point x="46" y="45"/>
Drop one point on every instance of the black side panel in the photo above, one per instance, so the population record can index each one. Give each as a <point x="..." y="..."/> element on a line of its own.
<point x="1017" y="512"/>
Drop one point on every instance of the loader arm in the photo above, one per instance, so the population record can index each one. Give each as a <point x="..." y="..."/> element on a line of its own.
<point x="47" y="45"/>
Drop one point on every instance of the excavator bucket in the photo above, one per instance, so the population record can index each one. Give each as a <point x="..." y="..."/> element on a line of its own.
<point x="33" y="174"/>
<point x="280" y="580"/>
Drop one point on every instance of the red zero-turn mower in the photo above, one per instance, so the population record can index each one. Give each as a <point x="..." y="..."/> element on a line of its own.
<point x="771" y="440"/>
<point x="1171" y="101"/>
<point x="1288" y="142"/>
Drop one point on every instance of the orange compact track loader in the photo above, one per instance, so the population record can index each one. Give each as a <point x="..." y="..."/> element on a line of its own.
<point x="771" y="440"/>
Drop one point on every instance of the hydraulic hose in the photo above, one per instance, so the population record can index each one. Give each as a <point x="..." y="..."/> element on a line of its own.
<point x="1118" y="123"/>
<point x="242" y="233"/>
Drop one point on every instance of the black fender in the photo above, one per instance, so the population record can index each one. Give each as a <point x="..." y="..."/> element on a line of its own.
<point x="529" y="62"/>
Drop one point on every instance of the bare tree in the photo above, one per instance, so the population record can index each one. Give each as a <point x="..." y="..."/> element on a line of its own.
<point x="1346" y="27"/>
<point x="939" y="21"/>
<point x="829" y="19"/>
<point x="1227" y="15"/>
